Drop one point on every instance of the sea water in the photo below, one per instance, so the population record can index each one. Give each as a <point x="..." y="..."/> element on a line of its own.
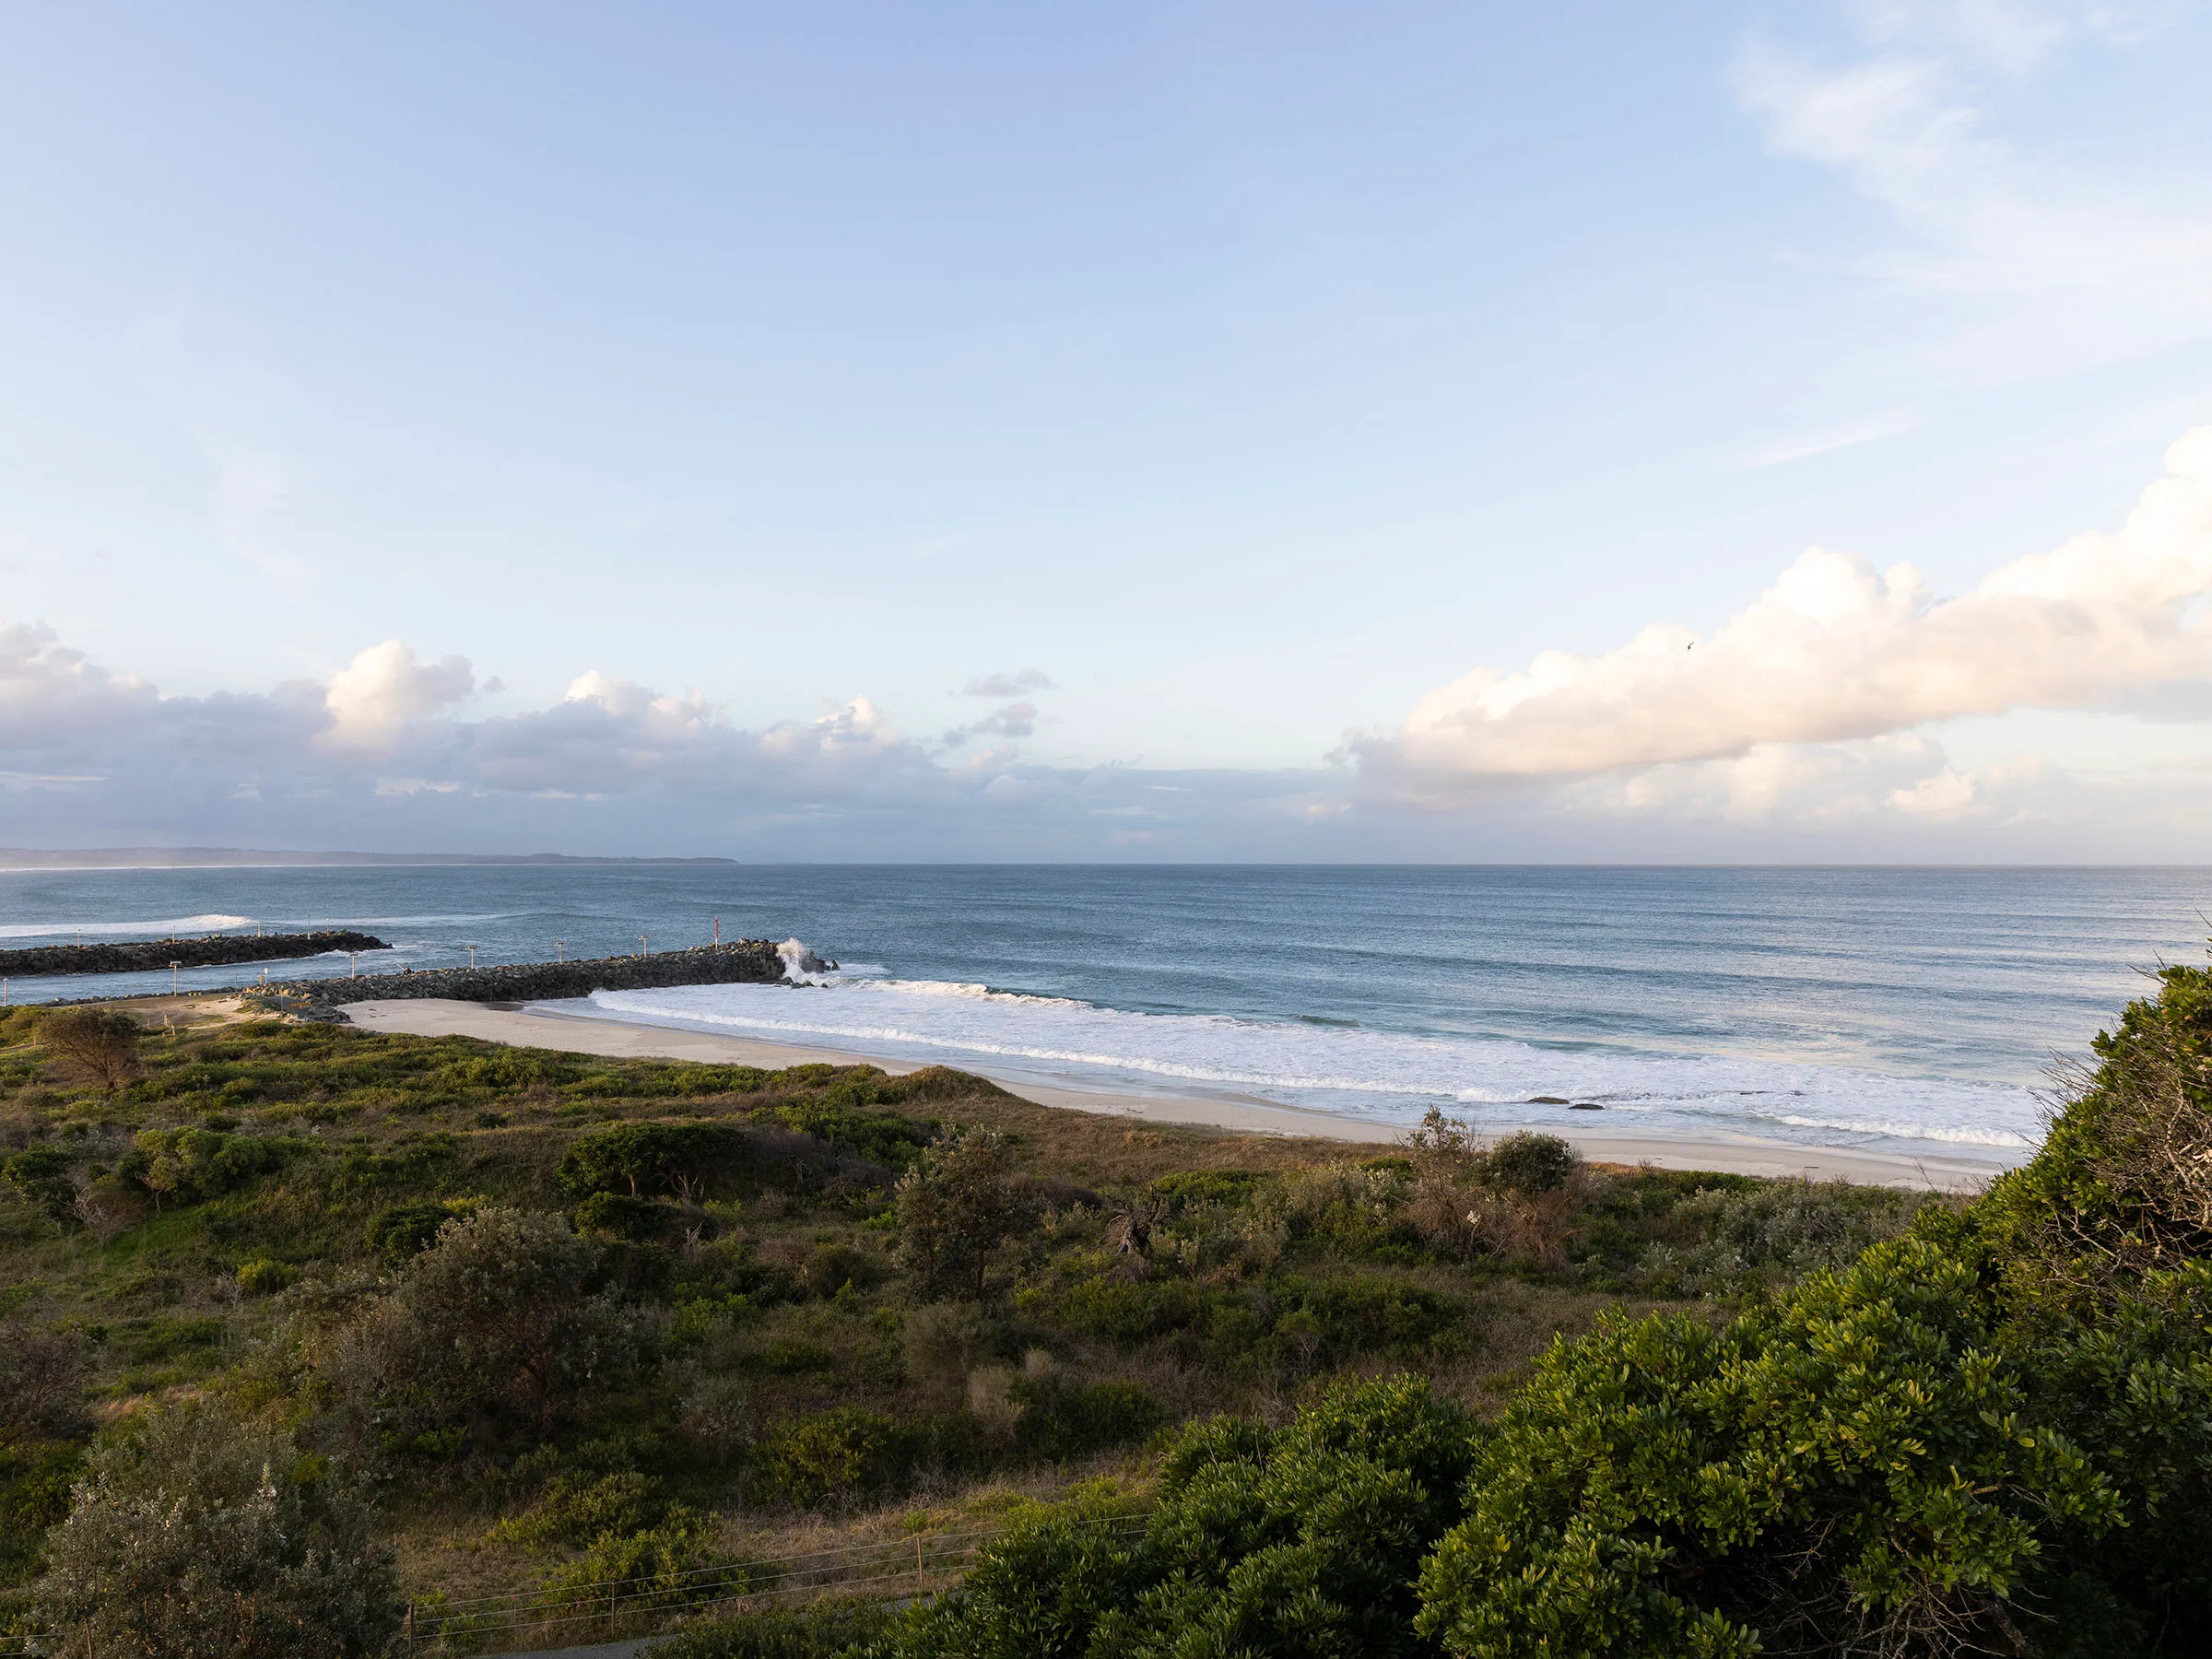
<point x="1896" y="1009"/>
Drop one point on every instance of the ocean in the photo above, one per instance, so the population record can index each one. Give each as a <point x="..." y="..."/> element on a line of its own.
<point x="1892" y="1009"/>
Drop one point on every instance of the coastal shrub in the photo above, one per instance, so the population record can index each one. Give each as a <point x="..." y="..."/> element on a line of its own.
<point x="36" y="1478"/>
<point x="641" y="1159"/>
<point x="1736" y="1240"/>
<point x="94" y="1046"/>
<point x="499" y="1321"/>
<point x="955" y="1208"/>
<point x="196" y="1536"/>
<point x="185" y="1166"/>
<point x="841" y="1117"/>
<point x="1059" y="1419"/>
<point x="40" y="1175"/>
<point x="833" y="1629"/>
<point x="401" y="1231"/>
<point x="575" y="1512"/>
<point x="830" y="1455"/>
<point x="42" y="1377"/>
<point x="1990" y="1434"/>
<point x="1528" y="1164"/>
<point x="675" y="1564"/>
<point x="261" y="1277"/>
<point x="1292" y="1542"/>
<point x="618" y="1214"/>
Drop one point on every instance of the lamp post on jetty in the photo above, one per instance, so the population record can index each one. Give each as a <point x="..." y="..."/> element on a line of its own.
<point x="172" y="977"/>
<point x="559" y="947"/>
<point x="642" y="946"/>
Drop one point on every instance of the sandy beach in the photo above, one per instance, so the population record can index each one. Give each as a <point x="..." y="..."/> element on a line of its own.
<point x="1243" y="1114"/>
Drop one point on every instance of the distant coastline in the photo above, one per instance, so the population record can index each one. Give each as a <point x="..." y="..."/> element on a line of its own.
<point x="223" y="858"/>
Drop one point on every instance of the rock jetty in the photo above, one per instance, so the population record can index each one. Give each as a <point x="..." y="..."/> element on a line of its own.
<point x="737" y="962"/>
<point x="215" y="950"/>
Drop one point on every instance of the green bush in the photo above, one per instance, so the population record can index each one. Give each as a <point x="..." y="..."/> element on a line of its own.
<point x="500" y="1323"/>
<point x="1292" y="1542"/>
<point x="618" y="1214"/>
<point x="831" y="1456"/>
<point x="401" y="1230"/>
<point x="957" y="1208"/>
<point x="1993" y="1434"/>
<point x="840" y="1118"/>
<point x="42" y="1176"/>
<point x="261" y="1277"/>
<point x="1530" y="1164"/>
<point x="645" y="1160"/>
<point x="1060" y="1419"/>
<point x="573" y="1511"/>
<point x="827" y="1629"/>
<point x="187" y="1165"/>
<point x="675" y="1564"/>
<point x="198" y="1536"/>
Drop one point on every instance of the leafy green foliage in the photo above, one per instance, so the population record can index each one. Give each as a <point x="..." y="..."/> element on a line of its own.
<point x="825" y="1629"/>
<point x="184" y="1166"/>
<point x="198" y="1536"/>
<point x="499" y="1318"/>
<point x="641" y="1159"/>
<point x="832" y="1454"/>
<point x="40" y="1175"/>
<point x="1298" y="1541"/>
<point x="956" y="1207"/>
<point x="400" y="1230"/>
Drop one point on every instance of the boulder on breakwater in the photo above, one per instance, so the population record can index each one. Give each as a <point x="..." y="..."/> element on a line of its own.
<point x="140" y="956"/>
<point x="737" y="962"/>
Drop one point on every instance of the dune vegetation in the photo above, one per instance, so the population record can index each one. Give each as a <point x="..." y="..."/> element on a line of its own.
<point x="389" y="1338"/>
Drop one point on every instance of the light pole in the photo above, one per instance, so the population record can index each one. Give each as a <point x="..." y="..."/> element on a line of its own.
<point x="349" y="965"/>
<point x="643" y="950"/>
<point x="559" y="949"/>
<point x="472" y="956"/>
<point x="172" y="977"/>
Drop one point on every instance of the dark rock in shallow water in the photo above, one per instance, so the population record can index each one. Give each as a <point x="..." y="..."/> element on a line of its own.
<point x="1585" y="1106"/>
<point x="1548" y="1099"/>
<point x="739" y="962"/>
<point x="141" y="956"/>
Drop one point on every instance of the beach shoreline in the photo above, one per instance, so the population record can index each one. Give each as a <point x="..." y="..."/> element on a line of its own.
<point x="583" y="1034"/>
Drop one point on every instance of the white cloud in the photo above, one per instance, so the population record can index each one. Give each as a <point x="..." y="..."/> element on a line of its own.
<point x="385" y="689"/>
<point x="2064" y="266"/>
<point x="1835" y="650"/>
<point x="1009" y="685"/>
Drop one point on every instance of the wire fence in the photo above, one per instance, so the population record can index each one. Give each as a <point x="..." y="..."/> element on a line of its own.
<point x="891" y="1569"/>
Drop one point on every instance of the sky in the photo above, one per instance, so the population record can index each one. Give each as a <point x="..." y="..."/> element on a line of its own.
<point x="1710" y="433"/>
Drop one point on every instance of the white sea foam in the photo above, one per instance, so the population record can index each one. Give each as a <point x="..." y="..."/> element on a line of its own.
<point x="1347" y="1069"/>
<point x="110" y="929"/>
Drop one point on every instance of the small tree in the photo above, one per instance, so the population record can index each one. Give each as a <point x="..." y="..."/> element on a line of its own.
<point x="955" y="1208"/>
<point x="204" y="1537"/>
<point x="97" y="1046"/>
<point x="499" y="1317"/>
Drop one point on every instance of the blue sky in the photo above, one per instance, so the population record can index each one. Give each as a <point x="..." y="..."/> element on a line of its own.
<point x="987" y="431"/>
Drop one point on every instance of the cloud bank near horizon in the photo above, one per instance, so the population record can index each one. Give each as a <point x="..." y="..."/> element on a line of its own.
<point x="1837" y="652"/>
<point x="1810" y="723"/>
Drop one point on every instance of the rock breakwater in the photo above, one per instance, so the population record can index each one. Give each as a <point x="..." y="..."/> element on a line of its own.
<point x="739" y="962"/>
<point x="215" y="950"/>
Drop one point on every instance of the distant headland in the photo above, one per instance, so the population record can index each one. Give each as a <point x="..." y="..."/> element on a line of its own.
<point x="197" y="858"/>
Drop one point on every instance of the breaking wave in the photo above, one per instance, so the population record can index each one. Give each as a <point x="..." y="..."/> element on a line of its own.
<point x="1351" y="1070"/>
